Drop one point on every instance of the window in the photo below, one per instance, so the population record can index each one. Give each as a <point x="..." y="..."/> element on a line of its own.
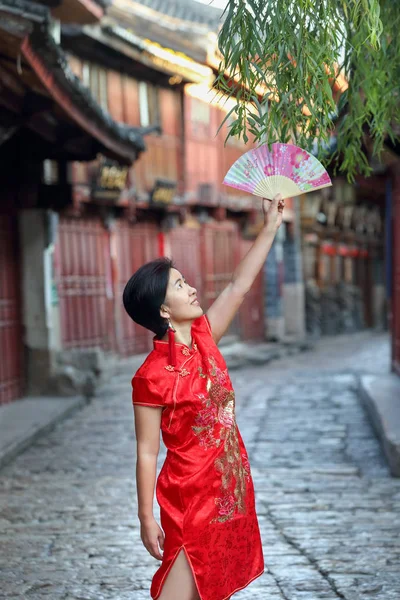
<point x="55" y="30"/>
<point x="86" y="74"/>
<point x="200" y="117"/>
<point x="103" y="92"/>
<point x="49" y="171"/>
<point x="149" y="104"/>
<point x="95" y="78"/>
<point x="200" y="112"/>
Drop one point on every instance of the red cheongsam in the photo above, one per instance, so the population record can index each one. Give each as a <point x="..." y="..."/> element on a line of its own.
<point x="204" y="489"/>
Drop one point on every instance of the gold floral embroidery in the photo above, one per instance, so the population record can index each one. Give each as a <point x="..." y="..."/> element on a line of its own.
<point x="185" y="351"/>
<point x="219" y="408"/>
<point x="169" y="368"/>
<point x="233" y="473"/>
<point x="201" y="373"/>
<point x="184" y="372"/>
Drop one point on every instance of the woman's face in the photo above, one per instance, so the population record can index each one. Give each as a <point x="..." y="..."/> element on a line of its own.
<point x="181" y="299"/>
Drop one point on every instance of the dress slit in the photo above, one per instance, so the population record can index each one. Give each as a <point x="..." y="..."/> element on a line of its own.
<point x="170" y="567"/>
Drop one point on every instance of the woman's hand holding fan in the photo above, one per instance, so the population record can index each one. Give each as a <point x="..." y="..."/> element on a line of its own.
<point x="273" y="212"/>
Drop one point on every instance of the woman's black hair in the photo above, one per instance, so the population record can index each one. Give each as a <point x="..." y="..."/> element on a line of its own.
<point x="145" y="293"/>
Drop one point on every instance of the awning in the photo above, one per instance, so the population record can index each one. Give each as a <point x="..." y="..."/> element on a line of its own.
<point x="40" y="92"/>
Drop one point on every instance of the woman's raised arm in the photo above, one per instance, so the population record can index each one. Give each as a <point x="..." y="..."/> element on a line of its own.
<point x="222" y="311"/>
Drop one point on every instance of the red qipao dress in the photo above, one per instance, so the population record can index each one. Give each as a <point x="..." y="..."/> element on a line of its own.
<point x="205" y="489"/>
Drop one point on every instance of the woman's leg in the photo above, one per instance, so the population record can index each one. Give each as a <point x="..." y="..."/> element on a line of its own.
<point x="180" y="584"/>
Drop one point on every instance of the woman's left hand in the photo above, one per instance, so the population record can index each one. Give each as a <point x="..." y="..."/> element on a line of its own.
<point x="273" y="212"/>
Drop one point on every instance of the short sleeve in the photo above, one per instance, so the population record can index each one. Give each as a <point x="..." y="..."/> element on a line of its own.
<point x="207" y="323"/>
<point x="202" y="324"/>
<point x="145" y="392"/>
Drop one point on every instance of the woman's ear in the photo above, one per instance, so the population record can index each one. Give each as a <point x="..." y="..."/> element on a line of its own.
<point x="164" y="312"/>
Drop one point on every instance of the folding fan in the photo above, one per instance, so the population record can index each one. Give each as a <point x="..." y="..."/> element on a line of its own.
<point x="286" y="169"/>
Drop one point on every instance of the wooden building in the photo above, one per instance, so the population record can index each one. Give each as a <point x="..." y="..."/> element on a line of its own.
<point x="47" y="120"/>
<point x="343" y="255"/>
<point x="85" y="201"/>
<point x="171" y="201"/>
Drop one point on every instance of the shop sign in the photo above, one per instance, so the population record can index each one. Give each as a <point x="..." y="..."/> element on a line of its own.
<point x="163" y="193"/>
<point x="110" y="179"/>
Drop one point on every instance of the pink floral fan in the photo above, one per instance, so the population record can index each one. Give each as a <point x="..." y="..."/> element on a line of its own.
<point x="286" y="169"/>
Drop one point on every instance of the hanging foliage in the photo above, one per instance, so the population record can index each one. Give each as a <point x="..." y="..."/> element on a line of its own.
<point x="285" y="60"/>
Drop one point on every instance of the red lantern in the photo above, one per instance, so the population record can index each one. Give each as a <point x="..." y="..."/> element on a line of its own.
<point x="328" y="248"/>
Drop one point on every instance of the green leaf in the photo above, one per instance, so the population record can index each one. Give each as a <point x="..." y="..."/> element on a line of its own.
<point x="293" y="48"/>
<point x="233" y="109"/>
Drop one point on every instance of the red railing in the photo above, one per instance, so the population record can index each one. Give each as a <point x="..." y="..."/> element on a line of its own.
<point x="11" y="348"/>
<point x="184" y="249"/>
<point x="220" y="255"/>
<point x="84" y="283"/>
<point x="251" y="312"/>
<point x="94" y="265"/>
<point x="134" y="246"/>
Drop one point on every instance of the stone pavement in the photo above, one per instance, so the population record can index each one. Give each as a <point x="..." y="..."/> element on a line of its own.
<point x="328" y="509"/>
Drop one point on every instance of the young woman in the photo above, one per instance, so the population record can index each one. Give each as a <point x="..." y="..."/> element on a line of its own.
<point x="210" y="544"/>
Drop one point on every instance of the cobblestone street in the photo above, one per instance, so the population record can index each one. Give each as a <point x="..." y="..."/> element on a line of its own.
<point x="328" y="508"/>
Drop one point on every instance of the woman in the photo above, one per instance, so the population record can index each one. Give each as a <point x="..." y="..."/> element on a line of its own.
<point x="210" y="545"/>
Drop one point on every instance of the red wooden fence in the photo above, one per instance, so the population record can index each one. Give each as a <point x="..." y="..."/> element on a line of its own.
<point x="94" y="266"/>
<point x="84" y="283"/>
<point x="135" y="245"/>
<point x="251" y="313"/>
<point x="220" y="255"/>
<point x="11" y="348"/>
<point x="185" y="250"/>
<point x="222" y="248"/>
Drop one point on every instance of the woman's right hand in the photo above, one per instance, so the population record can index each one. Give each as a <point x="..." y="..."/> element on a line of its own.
<point x="152" y="535"/>
<point x="273" y="210"/>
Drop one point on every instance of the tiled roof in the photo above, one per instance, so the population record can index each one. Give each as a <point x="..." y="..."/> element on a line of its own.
<point x="186" y="10"/>
<point x="51" y="66"/>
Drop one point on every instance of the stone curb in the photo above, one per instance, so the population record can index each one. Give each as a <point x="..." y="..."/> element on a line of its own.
<point x="381" y="399"/>
<point x="24" y="421"/>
